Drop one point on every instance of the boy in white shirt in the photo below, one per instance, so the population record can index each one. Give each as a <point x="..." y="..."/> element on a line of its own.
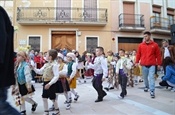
<point x="122" y="68"/>
<point x="100" y="73"/>
<point x="50" y="73"/>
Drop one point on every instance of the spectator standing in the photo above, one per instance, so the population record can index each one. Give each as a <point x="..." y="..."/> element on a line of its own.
<point x="148" y="54"/>
<point x="167" y="51"/>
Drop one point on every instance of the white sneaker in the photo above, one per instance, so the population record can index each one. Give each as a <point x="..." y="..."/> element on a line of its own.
<point x="173" y="90"/>
<point x="120" y="97"/>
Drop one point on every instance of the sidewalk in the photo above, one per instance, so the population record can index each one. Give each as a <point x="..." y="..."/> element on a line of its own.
<point x="137" y="102"/>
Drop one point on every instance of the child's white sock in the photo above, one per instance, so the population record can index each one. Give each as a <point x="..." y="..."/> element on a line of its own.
<point x="55" y="104"/>
<point x="23" y="106"/>
<point x="29" y="100"/>
<point x="73" y="91"/>
<point x="45" y="103"/>
<point x="66" y="95"/>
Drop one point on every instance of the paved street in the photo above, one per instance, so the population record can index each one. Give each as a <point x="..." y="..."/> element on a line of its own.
<point x="137" y="102"/>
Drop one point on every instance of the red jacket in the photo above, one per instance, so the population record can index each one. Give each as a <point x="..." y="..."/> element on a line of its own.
<point x="148" y="54"/>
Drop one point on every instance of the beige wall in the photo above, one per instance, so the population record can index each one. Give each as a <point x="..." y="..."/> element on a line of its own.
<point x="104" y="33"/>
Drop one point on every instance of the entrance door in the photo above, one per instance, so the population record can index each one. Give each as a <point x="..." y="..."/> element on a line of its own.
<point x="62" y="40"/>
<point x="128" y="44"/>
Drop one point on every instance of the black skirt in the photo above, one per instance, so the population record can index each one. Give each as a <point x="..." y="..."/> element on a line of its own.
<point x="49" y="93"/>
<point x="23" y="89"/>
<point x="62" y="85"/>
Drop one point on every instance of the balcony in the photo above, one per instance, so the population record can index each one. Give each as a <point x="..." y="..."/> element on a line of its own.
<point x="61" y="16"/>
<point x="160" y="25"/>
<point x="131" y="22"/>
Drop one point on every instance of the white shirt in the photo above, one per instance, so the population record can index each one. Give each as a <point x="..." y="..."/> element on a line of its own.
<point x="166" y="53"/>
<point x="63" y="72"/>
<point x="123" y="61"/>
<point x="55" y="73"/>
<point x="74" y="70"/>
<point x="99" y="66"/>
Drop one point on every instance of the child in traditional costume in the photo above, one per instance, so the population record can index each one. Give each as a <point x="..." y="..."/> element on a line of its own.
<point x="123" y="66"/>
<point x="62" y="85"/>
<point x="89" y="72"/>
<point x="110" y="58"/>
<point x="24" y="78"/>
<point x="71" y="74"/>
<point x="50" y="76"/>
<point x="100" y="73"/>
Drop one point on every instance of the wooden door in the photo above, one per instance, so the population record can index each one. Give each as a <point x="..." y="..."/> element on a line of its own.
<point x="128" y="46"/>
<point x="129" y="13"/>
<point x="62" y="40"/>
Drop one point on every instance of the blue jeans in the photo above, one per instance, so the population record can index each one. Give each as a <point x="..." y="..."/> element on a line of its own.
<point x="5" y="107"/>
<point x="148" y="76"/>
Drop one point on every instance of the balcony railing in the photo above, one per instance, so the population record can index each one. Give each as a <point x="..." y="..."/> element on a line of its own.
<point x="131" y="20"/>
<point x="161" y="23"/>
<point x="62" y="15"/>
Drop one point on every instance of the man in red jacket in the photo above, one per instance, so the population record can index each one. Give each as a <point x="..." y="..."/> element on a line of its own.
<point x="148" y="55"/>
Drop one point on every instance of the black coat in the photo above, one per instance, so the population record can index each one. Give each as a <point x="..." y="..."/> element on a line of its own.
<point x="6" y="50"/>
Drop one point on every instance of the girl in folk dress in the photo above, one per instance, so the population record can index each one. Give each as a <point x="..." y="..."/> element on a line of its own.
<point x="24" y="78"/>
<point x="136" y="69"/>
<point x="89" y="72"/>
<point x="71" y="74"/>
<point x="93" y="59"/>
<point x="80" y="66"/>
<point x="110" y="70"/>
<point x="114" y="62"/>
<point x="62" y="85"/>
<point x="50" y="76"/>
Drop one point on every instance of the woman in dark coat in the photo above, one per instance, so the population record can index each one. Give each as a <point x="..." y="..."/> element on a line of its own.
<point x="6" y="62"/>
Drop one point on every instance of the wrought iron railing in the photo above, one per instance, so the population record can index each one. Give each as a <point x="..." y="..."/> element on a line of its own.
<point x="161" y="23"/>
<point x="131" y="20"/>
<point x="62" y="14"/>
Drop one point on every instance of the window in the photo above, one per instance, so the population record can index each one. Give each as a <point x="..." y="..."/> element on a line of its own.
<point x="157" y="13"/>
<point x="170" y="19"/>
<point x="91" y="44"/>
<point x="34" y="42"/>
<point x="63" y="10"/>
<point x="170" y="16"/>
<point x="157" y="17"/>
<point x="90" y="10"/>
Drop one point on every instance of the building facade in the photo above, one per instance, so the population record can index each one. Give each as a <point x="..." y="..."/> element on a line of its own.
<point x="85" y="24"/>
<point x="136" y="16"/>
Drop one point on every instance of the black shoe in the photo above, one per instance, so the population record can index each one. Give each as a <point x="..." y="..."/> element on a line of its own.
<point x="145" y="89"/>
<point x="111" y="88"/>
<point x="125" y="93"/>
<point x="104" y="95"/>
<point x="76" y="98"/>
<point x="98" y="100"/>
<point x="23" y="112"/>
<point x="152" y="94"/>
<point x="57" y="112"/>
<point x="107" y="89"/>
<point x="34" y="107"/>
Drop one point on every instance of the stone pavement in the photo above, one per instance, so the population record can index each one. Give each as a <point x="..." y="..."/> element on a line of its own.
<point x="137" y="102"/>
